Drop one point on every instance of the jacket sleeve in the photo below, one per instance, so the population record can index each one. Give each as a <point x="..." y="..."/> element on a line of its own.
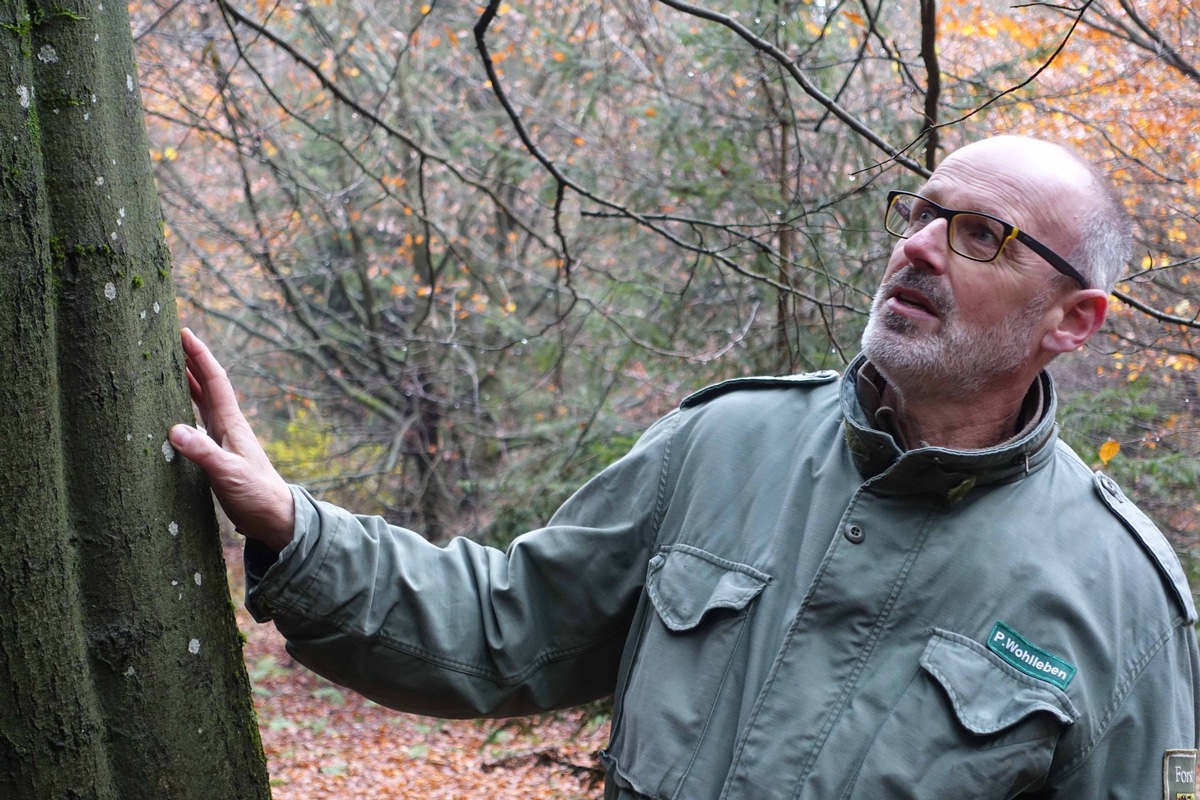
<point x="466" y="630"/>
<point x="1154" y="712"/>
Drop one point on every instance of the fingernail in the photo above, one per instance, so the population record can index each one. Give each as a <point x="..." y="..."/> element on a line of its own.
<point x="179" y="435"/>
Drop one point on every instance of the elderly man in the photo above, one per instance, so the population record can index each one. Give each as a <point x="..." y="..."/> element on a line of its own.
<point x="896" y="584"/>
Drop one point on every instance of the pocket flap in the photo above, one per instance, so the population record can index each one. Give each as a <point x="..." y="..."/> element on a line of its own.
<point x="987" y="694"/>
<point x="685" y="583"/>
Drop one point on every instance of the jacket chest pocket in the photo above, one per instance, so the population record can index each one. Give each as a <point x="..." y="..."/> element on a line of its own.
<point x="968" y="725"/>
<point x="685" y="655"/>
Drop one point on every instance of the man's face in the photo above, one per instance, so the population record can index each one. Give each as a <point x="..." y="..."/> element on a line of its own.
<point x="949" y="350"/>
<point x="941" y="321"/>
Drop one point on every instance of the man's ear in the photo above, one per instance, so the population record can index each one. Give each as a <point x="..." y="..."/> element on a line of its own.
<point x="1080" y="314"/>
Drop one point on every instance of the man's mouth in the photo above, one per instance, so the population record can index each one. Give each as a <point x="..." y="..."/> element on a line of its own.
<point x="904" y="299"/>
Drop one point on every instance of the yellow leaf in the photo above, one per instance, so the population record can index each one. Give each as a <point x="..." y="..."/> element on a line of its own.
<point x="1108" y="450"/>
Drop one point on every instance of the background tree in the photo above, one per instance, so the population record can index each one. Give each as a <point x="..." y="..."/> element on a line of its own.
<point x="460" y="254"/>
<point x="120" y="666"/>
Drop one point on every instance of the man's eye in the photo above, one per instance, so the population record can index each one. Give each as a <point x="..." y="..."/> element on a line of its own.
<point x="922" y="214"/>
<point x="980" y="230"/>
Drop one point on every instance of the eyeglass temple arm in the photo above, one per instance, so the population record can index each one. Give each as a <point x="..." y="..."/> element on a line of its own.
<point x="1053" y="258"/>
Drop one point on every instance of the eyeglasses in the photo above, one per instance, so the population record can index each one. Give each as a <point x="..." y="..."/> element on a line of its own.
<point x="979" y="237"/>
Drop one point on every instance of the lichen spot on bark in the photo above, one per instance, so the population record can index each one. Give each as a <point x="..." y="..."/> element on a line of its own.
<point x="110" y="290"/>
<point x="173" y="528"/>
<point x="48" y="55"/>
<point x="168" y="451"/>
<point x="194" y="646"/>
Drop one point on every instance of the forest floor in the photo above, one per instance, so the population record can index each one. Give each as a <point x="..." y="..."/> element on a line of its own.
<point x="324" y="742"/>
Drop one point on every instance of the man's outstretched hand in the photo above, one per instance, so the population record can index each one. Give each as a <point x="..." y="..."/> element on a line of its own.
<point x="253" y="495"/>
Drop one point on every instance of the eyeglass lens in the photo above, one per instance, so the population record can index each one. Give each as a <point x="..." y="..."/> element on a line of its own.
<point x="975" y="236"/>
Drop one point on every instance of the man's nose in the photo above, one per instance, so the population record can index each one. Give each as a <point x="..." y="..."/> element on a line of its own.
<point x="929" y="248"/>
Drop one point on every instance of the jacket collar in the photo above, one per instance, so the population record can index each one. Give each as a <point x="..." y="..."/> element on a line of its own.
<point x="891" y="468"/>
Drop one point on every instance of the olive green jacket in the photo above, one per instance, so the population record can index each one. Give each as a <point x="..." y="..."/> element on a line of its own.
<point x="786" y="606"/>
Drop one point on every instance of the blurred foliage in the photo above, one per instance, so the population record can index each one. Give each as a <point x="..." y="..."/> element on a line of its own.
<point x="532" y="493"/>
<point x="454" y="266"/>
<point x="1156" y="423"/>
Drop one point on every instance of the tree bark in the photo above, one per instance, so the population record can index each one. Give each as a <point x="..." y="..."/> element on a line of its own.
<point x="121" y="673"/>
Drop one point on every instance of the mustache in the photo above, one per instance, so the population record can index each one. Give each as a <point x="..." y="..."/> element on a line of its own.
<point x="918" y="281"/>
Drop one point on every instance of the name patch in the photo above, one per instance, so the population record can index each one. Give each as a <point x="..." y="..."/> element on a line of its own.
<point x="1179" y="775"/>
<point x="1029" y="659"/>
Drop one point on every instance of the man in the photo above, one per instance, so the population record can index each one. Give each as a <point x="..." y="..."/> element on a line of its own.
<point x="894" y="585"/>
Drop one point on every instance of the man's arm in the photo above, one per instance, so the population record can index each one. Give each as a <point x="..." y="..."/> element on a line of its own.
<point x="251" y="492"/>
<point x="1155" y="715"/>
<point x="461" y="630"/>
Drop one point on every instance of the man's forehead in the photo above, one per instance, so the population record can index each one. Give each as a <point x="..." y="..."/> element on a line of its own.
<point x="983" y="193"/>
<point x="997" y="187"/>
<point x="1010" y="169"/>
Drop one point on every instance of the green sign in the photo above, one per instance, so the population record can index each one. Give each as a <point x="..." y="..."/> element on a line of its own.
<point x="1028" y="658"/>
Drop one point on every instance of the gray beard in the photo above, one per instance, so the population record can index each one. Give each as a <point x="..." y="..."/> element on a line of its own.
<point x="959" y="357"/>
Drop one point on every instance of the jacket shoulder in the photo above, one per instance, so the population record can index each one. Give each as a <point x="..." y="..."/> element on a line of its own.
<point x="1149" y="537"/>
<point x="806" y="379"/>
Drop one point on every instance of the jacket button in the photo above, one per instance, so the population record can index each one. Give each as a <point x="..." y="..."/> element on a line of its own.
<point x="854" y="534"/>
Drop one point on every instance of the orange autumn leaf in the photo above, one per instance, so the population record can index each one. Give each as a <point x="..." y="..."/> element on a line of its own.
<point x="1108" y="450"/>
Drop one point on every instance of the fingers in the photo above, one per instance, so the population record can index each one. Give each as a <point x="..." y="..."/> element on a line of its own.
<point x="253" y="494"/>
<point x="197" y="447"/>
<point x="197" y="393"/>
<point x="209" y="384"/>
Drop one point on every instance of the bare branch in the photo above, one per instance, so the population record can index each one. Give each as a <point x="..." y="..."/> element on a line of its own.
<point x="1154" y="313"/>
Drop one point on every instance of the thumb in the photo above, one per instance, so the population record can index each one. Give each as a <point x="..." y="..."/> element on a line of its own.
<point x="196" y="445"/>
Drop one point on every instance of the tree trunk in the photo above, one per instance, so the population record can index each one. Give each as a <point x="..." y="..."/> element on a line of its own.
<point x="121" y="673"/>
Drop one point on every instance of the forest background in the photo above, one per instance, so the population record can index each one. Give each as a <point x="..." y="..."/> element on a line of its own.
<point x="457" y="256"/>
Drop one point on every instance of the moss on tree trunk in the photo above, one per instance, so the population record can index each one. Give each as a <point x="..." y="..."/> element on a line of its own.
<point x="120" y="664"/>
